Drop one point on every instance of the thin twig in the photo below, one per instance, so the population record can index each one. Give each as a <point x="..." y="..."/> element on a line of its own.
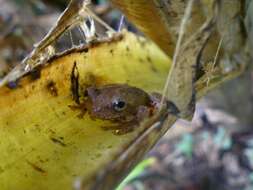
<point x="217" y="53"/>
<point x="186" y="17"/>
<point x="121" y="23"/>
<point x="71" y="38"/>
<point x="214" y="62"/>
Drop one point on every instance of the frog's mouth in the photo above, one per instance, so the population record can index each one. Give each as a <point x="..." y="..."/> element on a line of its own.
<point x="112" y="115"/>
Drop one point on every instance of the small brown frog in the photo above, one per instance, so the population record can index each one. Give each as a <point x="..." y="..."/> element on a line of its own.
<point x="122" y="104"/>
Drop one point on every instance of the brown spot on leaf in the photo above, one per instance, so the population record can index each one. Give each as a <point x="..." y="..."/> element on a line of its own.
<point x="149" y="59"/>
<point x="152" y="67"/>
<point x="35" y="73"/>
<point x="86" y="50"/>
<point x="51" y="87"/>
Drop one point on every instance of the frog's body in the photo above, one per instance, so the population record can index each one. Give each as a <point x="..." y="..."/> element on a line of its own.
<point x="122" y="104"/>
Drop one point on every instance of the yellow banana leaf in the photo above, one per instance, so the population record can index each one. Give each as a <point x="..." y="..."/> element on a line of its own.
<point x="44" y="144"/>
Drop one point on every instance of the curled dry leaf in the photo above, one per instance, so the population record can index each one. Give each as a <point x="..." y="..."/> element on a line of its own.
<point x="147" y="18"/>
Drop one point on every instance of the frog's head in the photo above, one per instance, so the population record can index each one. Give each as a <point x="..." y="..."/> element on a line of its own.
<point x="117" y="102"/>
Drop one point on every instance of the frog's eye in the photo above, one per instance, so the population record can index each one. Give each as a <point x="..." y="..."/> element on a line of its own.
<point x="118" y="105"/>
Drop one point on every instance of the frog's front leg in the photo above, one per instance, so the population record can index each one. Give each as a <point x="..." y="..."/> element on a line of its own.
<point x="82" y="108"/>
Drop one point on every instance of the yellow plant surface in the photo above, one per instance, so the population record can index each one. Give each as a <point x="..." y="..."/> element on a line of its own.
<point x="44" y="144"/>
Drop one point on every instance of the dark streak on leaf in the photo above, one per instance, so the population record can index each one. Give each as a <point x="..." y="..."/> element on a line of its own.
<point x="35" y="167"/>
<point x="74" y="78"/>
<point x="58" y="141"/>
